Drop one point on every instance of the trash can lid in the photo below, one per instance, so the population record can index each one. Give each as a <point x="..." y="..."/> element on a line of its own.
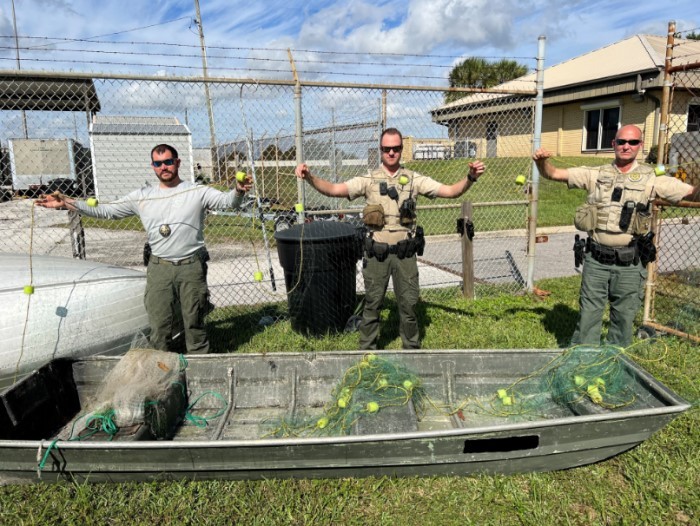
<point x="317" y="231"/>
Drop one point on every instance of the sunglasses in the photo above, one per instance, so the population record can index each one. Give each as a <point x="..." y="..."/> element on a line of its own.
<point x="631" y="142"/>
<point x="166" y="162"/>
<point x="387" y="149"/>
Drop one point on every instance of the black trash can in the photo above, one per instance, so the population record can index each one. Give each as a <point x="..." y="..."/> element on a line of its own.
<point x="319" y="260"/>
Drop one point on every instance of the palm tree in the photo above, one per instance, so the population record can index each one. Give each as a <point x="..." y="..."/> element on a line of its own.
<point x="476" y="72"/>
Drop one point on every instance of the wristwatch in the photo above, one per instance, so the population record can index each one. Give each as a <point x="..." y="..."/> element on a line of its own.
<point x="472" y="178"/>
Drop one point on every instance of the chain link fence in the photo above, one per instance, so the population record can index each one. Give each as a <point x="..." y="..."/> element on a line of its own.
<point x="673" y="289"/>
<point x="87" y="136"/>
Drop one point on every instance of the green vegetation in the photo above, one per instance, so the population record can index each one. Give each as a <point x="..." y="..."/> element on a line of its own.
<point x="653" y="484"/>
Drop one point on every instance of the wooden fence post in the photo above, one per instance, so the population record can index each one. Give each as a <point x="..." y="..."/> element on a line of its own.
<point x="467" y="253"/>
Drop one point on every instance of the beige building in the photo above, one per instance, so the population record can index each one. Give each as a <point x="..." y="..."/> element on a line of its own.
<point x="586" y="99"/>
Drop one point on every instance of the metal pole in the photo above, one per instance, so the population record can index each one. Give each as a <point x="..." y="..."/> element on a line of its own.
<point x="298" y="136"/>
<point x="333" y="158"/>
<point x="467" y="254"/>
<point x="19" y="66"/>
<point x="383" y="109"/>
<point x="535" y="189"/>
<point x="666" y="93"/>
<point x="210" y="110"/>
<point x="649" y="286"/>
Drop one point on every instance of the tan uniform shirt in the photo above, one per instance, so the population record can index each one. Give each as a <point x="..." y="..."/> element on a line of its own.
<point x="368" y="186"/>
<point x="639" y="184"/>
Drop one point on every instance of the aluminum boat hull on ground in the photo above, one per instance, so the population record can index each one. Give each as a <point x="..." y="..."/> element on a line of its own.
<point x="264" y="389"/>
<point x="77" y="308"/>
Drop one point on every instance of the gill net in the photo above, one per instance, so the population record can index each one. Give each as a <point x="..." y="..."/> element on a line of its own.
<point x="581" y="380"/>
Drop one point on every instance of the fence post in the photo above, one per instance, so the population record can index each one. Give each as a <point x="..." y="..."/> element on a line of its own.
<point x="649" y="287"/>
<point x="666" y="93"/>
<point x="535" y="189"/>
<point x="77" y="234"/>
<point x="467" y="254"/>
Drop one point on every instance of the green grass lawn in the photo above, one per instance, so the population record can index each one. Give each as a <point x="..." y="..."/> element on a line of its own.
<point x="654" y="484"/>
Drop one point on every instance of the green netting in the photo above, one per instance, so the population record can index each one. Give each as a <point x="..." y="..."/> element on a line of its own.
<point x="598" y="376"/>
<point x="366" y="388"/>
<point x="587" y="379"/>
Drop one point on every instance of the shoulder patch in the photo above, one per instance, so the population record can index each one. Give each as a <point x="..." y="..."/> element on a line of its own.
<point x="634" y="177"/>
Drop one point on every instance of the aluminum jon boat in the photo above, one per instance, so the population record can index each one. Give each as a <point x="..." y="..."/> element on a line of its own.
<point x="262" y="416"/>
<point x="57" y="307"/>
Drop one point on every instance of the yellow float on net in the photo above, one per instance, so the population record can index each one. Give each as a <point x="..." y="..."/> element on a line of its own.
<point x="594" y="394"/>
<point x="322" y="422"/>
<point x="258" y="276"/>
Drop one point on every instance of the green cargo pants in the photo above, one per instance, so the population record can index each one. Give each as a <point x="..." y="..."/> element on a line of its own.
<point x="404" y="275"/>
<point x="623" y="287"/>
<point x="166" y="286"/>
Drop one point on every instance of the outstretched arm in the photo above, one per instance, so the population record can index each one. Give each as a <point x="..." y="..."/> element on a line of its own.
<point x="547" y="169"/>
<point x="476" y="169"/>
<point x="57" y="201"/>
<point x="321" y="185"/>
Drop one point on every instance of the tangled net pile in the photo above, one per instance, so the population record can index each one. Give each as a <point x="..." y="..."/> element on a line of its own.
<point x="596" y="377"/>
<point x="366" y="388"/>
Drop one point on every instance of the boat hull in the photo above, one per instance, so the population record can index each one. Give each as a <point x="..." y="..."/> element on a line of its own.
<point x="442" y="447"/>
<point x="76" y="308"/>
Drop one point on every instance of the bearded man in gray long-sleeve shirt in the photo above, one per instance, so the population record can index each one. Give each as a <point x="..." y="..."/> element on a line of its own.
<point x="173" y="216"/>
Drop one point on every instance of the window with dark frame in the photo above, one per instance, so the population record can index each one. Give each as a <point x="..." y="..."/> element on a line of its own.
<point x="601" y="126"/>
<point x="693" y="118"/>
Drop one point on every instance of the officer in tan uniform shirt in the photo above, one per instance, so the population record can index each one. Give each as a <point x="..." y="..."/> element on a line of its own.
<point x="394" y="237"/>
<point x="616" y="217"/>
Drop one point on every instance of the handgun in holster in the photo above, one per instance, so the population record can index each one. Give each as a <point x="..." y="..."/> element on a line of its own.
<point x="146" y="253"/>
<point x="579" y="250"/>
<point x="646" y="248"/>
<point x="420" y="240"/>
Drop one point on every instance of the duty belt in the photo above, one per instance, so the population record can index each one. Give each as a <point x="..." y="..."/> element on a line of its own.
<point x="160" y="261"/>
<point x="620" y="256"/>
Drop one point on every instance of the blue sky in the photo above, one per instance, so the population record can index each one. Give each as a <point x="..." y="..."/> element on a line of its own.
<point x="446" y="29"/>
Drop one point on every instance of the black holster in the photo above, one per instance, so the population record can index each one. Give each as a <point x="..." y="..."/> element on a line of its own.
<point x="579" y="249"/>
<point x="420" y="240"/>
<point x="146" y="253"/>
<point x="646" y="248"/>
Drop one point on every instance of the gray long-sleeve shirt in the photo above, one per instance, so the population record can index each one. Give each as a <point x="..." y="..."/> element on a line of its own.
<point x="182" y="209"/>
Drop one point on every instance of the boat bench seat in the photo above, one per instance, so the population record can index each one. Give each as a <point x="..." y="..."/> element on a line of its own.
<point x="392" y="419"/>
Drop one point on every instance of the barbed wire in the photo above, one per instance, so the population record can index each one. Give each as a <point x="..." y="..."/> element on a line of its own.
<point x="89" y="39"/>
<point x="383" y="74"/>
<point x="228" y="57"/>
<point x="281" y="50"/>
